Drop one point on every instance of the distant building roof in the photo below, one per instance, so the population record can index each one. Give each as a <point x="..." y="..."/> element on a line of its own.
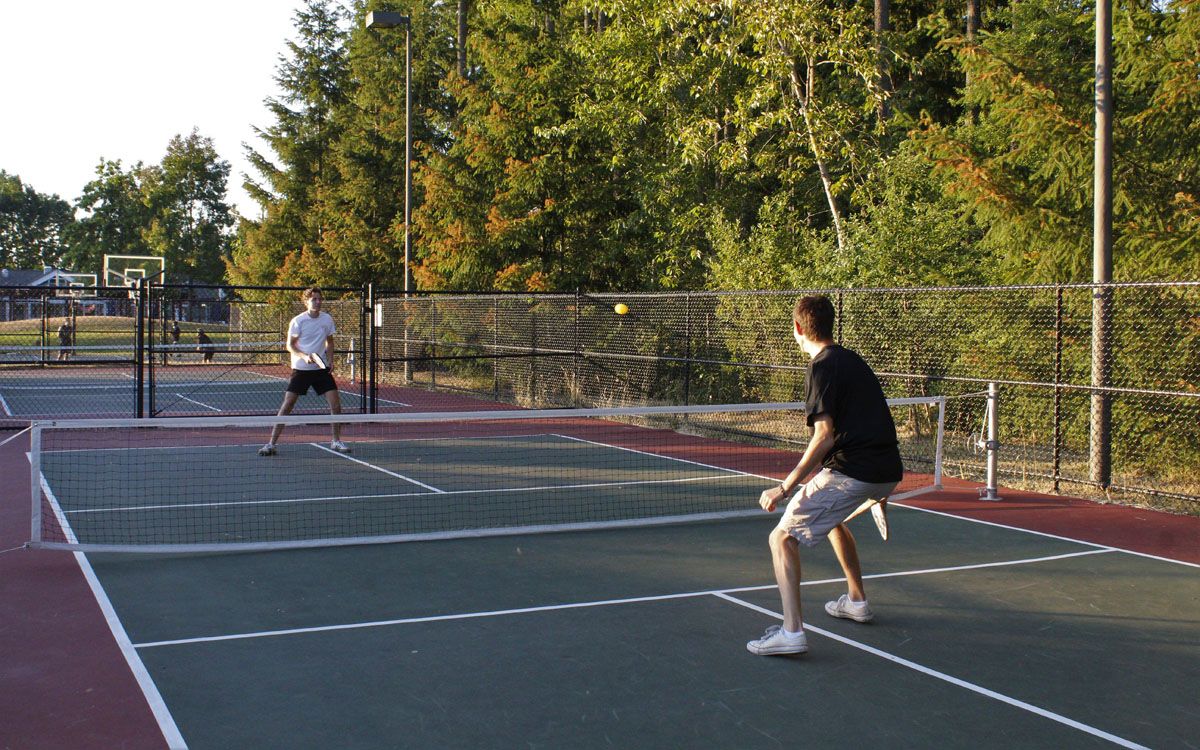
<point x="23" y="277"/>
<point x="27" y="277"/>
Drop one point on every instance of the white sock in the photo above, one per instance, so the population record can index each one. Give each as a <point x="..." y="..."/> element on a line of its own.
<point x="792" y="636"/>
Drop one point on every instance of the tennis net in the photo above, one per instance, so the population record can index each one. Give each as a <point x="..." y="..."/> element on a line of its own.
<point x="199" y="484"/>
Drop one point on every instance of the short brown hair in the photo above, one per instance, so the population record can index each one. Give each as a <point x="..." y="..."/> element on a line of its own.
<point x="310" y="292"/>
<point x="814" y="314"/>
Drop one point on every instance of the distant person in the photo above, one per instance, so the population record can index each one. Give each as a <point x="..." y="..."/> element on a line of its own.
<point x="856" y="457"/>
<point x="174" y="331"/>
<point x="206" y="346"/>
<point x="64" y="341"/>
<point x="310" y="342"/>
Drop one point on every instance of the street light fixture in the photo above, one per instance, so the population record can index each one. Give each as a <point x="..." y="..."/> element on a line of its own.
<point x="382" y="19"/>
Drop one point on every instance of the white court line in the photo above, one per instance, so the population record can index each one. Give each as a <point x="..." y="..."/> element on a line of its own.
<point x="553" y="607"/>
<point x="948" y="678"/>
<point x="1048" y="535"/>
<point x="666" y="457"/>
<point x="493" y="490"/>
<point x="4" y="405"/>
<point x="166" y="723"/>
<point x="378" y="468"/>
<point x="199" y="403"/>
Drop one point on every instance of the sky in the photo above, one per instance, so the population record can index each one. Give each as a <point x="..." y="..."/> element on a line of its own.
<point x="116" y="79"/>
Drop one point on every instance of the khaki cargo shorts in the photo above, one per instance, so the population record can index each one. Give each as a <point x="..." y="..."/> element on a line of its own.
<point x="825" y="501"/>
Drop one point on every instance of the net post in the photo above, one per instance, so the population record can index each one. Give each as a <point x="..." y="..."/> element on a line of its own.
<point x="992" y="444"/>
<point x="938" y="450"/>
<point x="35" y="482"/>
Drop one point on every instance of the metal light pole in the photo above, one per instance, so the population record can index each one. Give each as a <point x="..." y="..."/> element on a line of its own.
<point x="1100" y="460"/>
<point x="381" y="19"/>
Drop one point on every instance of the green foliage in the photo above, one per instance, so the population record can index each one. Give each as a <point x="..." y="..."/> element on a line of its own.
<point x="189" y="220"/>
<point x="673" y="144"/>
<point x="1023" y="161"/>
<point x="175" y="209"/>
<point x="281" y="245"/>
<point x="33" y="226"/>
<point x="115" y="216"/>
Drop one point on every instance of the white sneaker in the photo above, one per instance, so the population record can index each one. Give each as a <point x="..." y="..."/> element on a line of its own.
<point x="267" y="450"/>
<point x="339" y="446"/>
<point x="843" y="607"/>
<point x="775" y="642"/>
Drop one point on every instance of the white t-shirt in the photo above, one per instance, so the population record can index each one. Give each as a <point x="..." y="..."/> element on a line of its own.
<point x="312" y="333"/>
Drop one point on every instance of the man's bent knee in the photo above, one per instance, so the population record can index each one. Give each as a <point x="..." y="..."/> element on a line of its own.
<point x="780" y="538"/>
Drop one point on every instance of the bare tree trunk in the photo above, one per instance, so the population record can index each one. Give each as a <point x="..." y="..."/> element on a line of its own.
<point x="882" y="75"/>
<point x="803" y="93"/>
<point x="973" y="9"/>
<point x="463" y="7"/>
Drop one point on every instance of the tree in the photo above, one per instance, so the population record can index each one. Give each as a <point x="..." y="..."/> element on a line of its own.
<point x="115" y="216"/>
<point x="189" y="220"/>
<point x="313" y="76"/>
<point x="34" y="227"/>
<point x="1024" y="164"/>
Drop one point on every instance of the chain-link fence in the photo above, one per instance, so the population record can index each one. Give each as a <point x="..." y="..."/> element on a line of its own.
<point x="162" y="350"/>
<point x="1106" y="411"/>
<point x="1140" y="419"/>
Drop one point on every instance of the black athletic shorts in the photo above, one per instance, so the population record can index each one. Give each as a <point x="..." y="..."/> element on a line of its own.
<point x="320" y="381"/>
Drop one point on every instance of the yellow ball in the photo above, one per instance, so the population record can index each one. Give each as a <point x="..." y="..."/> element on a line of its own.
<point x="620" y="308"/>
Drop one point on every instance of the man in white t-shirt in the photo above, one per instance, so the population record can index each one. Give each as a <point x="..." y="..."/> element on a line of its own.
<point x="310" y="342"/>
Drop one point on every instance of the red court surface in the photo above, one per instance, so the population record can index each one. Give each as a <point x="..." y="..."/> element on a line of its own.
<point x="66" y="683"/>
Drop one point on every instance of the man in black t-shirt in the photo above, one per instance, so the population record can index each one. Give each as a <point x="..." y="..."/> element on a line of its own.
<point x="854" y="447"/>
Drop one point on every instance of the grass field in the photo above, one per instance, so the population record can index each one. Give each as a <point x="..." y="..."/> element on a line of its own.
<point x="99" y="331"/>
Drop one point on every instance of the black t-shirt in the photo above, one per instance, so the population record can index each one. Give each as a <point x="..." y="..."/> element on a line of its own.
<point x="843" y="387"/>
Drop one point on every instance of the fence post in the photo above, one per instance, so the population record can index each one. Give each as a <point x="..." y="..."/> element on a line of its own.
<point x="575" y="390"/>
<point x="687" y="348"/>
<point x="992" y="444"/>
<point x="139" y="357"/>
<point x="1058" y="347"/>
<point x="373" y="354"/>
<point x="45" y="324"/>
<point x="496" y="348"/>
<point x="363" y="356"/>
<point x="1100" y="457"/>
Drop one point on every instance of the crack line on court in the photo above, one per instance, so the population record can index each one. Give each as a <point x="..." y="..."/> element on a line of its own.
<point x="1044" y="713"/>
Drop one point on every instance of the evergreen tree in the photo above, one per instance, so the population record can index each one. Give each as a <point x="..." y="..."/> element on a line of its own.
<point x="278" y="246"/>
<point x="1024" y="162"/>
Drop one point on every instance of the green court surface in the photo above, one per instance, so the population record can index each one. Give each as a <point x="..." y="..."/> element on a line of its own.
<point x="985" y="636"/>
